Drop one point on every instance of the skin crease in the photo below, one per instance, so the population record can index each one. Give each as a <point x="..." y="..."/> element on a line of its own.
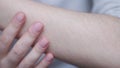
<point x="83" y="39"/>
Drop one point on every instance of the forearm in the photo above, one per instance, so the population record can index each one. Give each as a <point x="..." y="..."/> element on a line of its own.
<point x="78" y="38"/>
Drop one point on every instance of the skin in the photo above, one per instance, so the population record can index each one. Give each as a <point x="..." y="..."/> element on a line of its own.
<point x="18" y="56"/>
<point x="88" y="40"/>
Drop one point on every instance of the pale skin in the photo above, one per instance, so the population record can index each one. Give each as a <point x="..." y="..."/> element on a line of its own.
<point x="18" y="56"/>
<point x="83" y="39"/>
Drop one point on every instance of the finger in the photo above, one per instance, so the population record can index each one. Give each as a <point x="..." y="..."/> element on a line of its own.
<point x="23" y="45"/>
<point x="11" y="31"/>
<point x="46" y="61"/>
<point x="35" y="54"/>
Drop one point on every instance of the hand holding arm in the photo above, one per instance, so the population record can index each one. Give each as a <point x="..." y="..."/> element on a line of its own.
<point x="78" y="38"/>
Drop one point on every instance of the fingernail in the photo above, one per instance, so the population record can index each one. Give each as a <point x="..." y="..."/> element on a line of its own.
<point x="49" y="57"/>
<point x="43" y="43"/>
<point x="20" y="17"/>
<point x="36" y="27"/>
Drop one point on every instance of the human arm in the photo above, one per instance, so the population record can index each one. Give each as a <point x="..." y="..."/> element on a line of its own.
<point x="78" y="38"/>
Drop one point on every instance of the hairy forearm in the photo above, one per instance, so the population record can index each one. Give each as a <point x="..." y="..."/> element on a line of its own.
<point x="79" y="38"/>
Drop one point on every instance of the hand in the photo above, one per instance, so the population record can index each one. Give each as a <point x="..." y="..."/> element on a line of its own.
<point x="18" y="56"/>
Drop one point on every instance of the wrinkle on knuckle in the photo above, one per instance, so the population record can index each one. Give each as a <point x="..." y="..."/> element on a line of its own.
<point x="18" y="53"/>
<point x="39" y="50"/>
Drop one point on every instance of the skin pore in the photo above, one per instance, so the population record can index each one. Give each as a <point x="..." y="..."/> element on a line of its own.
<point x="79" y="38"/>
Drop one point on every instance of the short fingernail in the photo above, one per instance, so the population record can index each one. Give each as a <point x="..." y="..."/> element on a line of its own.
<point x="49" y="57"/>
<point x="36" y="27"/>
<point x="20" y="17"/>
<point x="43" y="43"/>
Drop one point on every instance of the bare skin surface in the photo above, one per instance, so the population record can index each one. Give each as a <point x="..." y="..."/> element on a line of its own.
<point x="90" y="40"/>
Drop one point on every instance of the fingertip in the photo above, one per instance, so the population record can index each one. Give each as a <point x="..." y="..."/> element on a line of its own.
<point x="36" y="28"/>
<point x="49" y="57"/>
<point x="43" y="42"/>
<point x="46" y="61"/>
<point x="20" y="17"/>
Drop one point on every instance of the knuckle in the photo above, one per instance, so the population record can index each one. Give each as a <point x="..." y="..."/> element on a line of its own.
<point x="32" y="35"/>
<point x="15" y="25"/>
<point x="13" y="31"/>
<point x="18" y="53"/>
<point x="24" y="46"/>
<point x="39" y="50"/>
